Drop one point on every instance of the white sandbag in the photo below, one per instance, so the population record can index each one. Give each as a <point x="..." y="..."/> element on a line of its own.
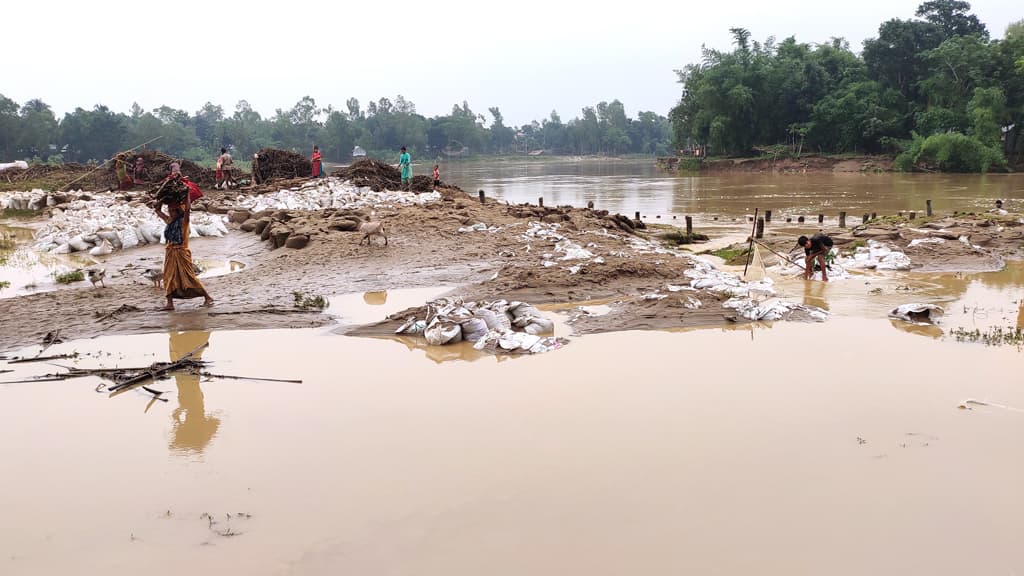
<point x="110" y="236"/>
<point x="539" y="326"/>
<point x="473" y="329"/>
<point x="498" y="321"/>
<point x="528" y="318"/>
<point x="207" y="230"/>
<point x="103" y="249"/>
<point x="129" y="239"/>
<point x="62" y="249"/>
<point x="917" y="313"/>
<point x="442" y="333"/>
<point x="78" y="244"/>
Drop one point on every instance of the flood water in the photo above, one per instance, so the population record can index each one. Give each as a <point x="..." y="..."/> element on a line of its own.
<point x="632" y="185"/>
<point x="859" y="445"/>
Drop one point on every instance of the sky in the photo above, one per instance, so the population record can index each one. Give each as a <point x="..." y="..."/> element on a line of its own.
<point x="527" y="57"/>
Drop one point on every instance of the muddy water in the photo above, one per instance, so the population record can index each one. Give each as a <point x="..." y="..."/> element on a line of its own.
<point x="832" y="448"/>
<point x="630" y="185"/>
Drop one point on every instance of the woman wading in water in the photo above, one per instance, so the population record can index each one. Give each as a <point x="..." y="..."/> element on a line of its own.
<point x="180" y="280"/>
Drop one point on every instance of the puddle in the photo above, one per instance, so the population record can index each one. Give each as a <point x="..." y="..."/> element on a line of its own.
<point x="25" y="271"/>
<point x="383" y="461"/>
<point x="368" y="307"/>
<point x="213" y="268"/>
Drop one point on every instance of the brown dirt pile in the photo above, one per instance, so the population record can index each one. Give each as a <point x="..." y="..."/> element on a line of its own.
<point x="272" y="164"/>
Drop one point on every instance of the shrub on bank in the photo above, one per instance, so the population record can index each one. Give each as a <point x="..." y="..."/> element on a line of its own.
<point x="950" y="152"/>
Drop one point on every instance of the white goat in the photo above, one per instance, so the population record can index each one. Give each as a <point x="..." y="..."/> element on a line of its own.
<point x="369" y="229"/>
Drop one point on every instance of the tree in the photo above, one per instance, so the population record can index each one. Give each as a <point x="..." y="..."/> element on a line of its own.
<point x="953" y="17"/>
<point x="9" y="127"/>
<point x="38" y="128"/>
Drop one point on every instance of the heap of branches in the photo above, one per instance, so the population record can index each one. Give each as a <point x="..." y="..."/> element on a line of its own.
<point x="158" y="166"/>
<point x="373" y="173"/>
<point x="273" y="164"/>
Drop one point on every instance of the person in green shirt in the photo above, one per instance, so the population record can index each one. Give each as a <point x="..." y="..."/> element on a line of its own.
<point x="405" y="163"/>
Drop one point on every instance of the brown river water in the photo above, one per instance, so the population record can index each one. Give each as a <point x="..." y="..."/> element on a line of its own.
<point x="831" y="448"/>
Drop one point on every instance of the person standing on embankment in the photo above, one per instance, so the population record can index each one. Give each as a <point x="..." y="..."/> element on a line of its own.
<point x="405" y="164"/>
<point x="318" y="162"/>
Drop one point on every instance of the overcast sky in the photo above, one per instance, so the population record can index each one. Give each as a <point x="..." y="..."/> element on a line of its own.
<point x="526" y="57"/>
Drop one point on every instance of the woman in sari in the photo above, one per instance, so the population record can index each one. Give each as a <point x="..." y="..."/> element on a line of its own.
<point x="318" y="163"/>
<point x="180" y="280"/>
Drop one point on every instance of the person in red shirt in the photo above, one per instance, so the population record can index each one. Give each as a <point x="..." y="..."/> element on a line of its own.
<point x="437" y="176"/>
<point x="318" y="170"/>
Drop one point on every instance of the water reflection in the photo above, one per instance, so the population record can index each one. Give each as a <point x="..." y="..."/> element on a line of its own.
<point x="814" y="294"/>
<point x="929" y="330"/>
<point x="378" y="298"/>
<point x="192" y="428"/>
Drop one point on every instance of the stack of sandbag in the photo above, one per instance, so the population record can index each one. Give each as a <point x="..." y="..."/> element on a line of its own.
<point x="34" y="200"/>
<point x="496" y="326"/>
<point x="106" y="223"/>
<point x="331" y="192"/>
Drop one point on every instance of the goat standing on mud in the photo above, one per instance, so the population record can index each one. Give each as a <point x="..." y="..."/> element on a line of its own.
<point x="370" y="229"/>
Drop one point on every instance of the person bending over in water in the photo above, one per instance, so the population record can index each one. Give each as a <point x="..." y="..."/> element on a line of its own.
<point x="815" y="248"/>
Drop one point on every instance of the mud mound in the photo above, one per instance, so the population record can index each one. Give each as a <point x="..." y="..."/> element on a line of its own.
<point x="373" y="173"/>
<point x="421" y="184"/>
<point x="273" y="164"/>
<point x="50" y="177"/>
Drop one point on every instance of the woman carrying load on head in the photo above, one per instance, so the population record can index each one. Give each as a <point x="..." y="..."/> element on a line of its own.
<point x="180" y="280"/>
<point x="318" y="163"/>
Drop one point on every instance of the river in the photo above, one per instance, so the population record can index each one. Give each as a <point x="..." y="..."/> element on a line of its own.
<point x="858" y="445"/>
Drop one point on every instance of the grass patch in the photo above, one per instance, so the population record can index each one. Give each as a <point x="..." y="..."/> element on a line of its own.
<point x="69" y="277"/>
<point x="20" y="214"/>
<point x="731" y="255"/>
<point x="681" y="238"/>
<point x="309" y="301"/>
<point x="994" y="336"/>
<point x="689" y="165"/>
<point x="4" y="284"/>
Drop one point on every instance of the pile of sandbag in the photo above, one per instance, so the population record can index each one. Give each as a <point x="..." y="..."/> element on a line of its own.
<point x="104" y="224"/>
<point x="321" y="193"/>
<point x="917" y="313"/>
<point x="17" y="164"/>
<point x="772" y="310"/>
<point x="498" y="326"/>
<point x="34" y="200"/>
<point x="704" y="276"/>
<point x="877" y="256"/>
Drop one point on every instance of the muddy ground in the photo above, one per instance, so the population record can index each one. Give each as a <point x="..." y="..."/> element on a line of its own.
<point x="426" y="249"/>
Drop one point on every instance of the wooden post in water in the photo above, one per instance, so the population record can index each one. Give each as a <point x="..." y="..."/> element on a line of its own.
<point x="760" y="228"/>
<point x="800" y="219"/>
<point x="821" y="218"/>
<point x="913" y="215"/>
<point x="874" y="215"/>
<point x="481" y="196"/>
<point x="637" y="216"/>
<point x="540" y="201"/>
<point x="864" y="219"/>
<point x="842" y="219"/>
<point x="590" y="204"/>
<point x="928" y="207"/>
<point x="767" y="215"/>
<point x="689" y="225"/>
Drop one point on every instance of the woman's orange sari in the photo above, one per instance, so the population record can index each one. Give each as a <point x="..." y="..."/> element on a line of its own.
<point x="180" y="280"/>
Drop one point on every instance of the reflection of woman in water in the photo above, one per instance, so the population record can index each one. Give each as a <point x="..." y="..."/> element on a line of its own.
<point x="192" y="428"/>
<point x="376" y="298"/>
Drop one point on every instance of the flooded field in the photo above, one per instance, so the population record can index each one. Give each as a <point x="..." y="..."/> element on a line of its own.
<point x="857" y="445"/>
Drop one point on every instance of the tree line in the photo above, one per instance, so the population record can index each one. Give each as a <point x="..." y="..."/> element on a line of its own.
<point x="935" y="90"/>
<point x="31" y="131"/>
